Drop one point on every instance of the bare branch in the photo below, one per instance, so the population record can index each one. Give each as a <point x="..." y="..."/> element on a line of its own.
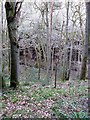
<point x="18" y="7"/>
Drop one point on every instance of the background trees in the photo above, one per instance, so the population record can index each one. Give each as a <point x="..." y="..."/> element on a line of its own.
<point x="50" y="34"/>
<point x="45" y="48"/>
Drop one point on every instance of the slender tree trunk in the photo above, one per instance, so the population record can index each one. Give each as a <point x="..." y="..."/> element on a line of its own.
<point x="84" y="61"/>
<point x="39" y="61"/>
<point x="51" y="17"/>
<point x="65" y="62"/>
<point x="70" y="59"/>
<point x="39" y="67"/>
<point x="88" y="36"/>
<point x="48" y="45"/>
<point x="71" y="53"/>
<point x="2" y="60"/>
<point x="55" y="84"/>
<point x="89" y="63"/>
<point x="49" y="33"/>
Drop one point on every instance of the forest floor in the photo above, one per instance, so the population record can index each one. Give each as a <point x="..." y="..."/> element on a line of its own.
<point x="32" y="100"/>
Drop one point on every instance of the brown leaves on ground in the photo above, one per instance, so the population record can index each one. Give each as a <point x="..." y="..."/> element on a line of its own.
<point x="21" y="103"/>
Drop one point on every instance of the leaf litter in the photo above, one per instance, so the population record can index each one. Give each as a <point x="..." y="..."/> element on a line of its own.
<point x="36" y="101"/>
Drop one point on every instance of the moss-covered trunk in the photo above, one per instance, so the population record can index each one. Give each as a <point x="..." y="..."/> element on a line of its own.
<point x="12" y="24"/>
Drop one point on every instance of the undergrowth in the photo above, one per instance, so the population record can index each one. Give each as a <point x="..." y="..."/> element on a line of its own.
<point x="66" y="102"/>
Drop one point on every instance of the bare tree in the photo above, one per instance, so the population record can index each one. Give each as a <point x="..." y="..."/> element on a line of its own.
<point x="65" y="62"/>
<point x="2" y="36"/>
<point x="12" y="16"/>
<point x="84" y="61"/>
<point x="88" y="46"/>
<point x="88" y="35"/>
<point x="48" y="43"/>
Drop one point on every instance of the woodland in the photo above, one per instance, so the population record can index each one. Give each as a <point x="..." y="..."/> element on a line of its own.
<point x="44" y="59"/>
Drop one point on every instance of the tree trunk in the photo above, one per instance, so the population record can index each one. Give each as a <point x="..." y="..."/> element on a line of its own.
<point x="88" y="35"/>
<point x="84" y="61"/>
<point x="14" y="66"/>
<point x="12" y="17"/>
<point x="65" y="61"/>
<point x="55" y="84"/>
<point x="48" y="45"/>
<point x="51" y="17"/>
<point x="88" y="46"/>
<point x="2" y="59"/>
<point x="83" y="68"/>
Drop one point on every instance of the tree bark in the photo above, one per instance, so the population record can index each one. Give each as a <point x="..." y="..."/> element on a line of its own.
<point x="65" y="61"/>
<point x="55" y="84"/>
<point x="2" y="57"/>
<point x="12" y="16"/>
<point x="88" y="35"/>
<point x="88" y="48"/>
<point x="48" y="45"/>
<point x="84" y="67"/>
<point x="84" y="61"/>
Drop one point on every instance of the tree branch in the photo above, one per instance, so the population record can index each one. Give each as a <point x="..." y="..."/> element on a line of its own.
<point x="17" y="8"/>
